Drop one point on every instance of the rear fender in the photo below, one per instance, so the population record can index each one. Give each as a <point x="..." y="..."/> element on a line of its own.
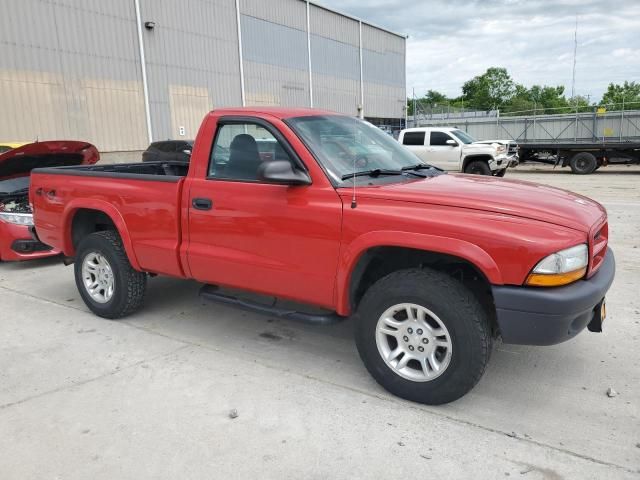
<point x="108" y="209"/>
<point x="429" y="243"/>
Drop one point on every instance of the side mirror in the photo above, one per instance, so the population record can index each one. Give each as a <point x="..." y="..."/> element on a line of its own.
<point x="452" y="143"/>
<point x="282" y="172"/>
<point x="186" y="151"/>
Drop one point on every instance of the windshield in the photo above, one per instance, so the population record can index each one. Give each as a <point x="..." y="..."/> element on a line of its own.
<point x="347" y="145"/>
<point x="463" y="136"/>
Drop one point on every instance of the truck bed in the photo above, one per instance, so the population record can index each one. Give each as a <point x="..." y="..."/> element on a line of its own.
<point x="142" y="199"/>
<point x="158" y="171"/>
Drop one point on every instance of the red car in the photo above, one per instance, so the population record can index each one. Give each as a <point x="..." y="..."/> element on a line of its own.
<point x="434" y="266"/>
<point x="16" y="164"/>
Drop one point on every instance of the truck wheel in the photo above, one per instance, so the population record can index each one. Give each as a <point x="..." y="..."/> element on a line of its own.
<point x="478" y="167"/>
<point x="423" y="336"/>
<point x="583" y="163"/>
<point x="107" y="282"/>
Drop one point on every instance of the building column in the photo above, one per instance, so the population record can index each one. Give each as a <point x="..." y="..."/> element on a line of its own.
<point x="309" y="55"/>
<point x="242" y="94"/>
<point x="143" y="65"/>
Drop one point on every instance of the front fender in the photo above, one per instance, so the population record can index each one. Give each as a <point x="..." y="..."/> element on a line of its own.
<point x="108" y="209"/>
<point x="431" y="243"/>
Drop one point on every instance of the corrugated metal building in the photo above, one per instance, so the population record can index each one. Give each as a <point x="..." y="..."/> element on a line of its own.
<point x="76" y="68"/>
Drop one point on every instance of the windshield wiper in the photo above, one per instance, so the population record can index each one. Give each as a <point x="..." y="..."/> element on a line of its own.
<point x="418" y="166"/>
<point x="376" y="172"/>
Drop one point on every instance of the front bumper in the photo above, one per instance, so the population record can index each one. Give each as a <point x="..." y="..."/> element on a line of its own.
<point x="546" y="316"/>
<point x="499" y="162"/>
<point x="16" y="243"/>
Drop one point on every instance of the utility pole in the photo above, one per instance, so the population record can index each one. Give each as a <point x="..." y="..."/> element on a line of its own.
<point x="621" y="120"/>
<point x="415" y="113"/>
<point x="575" y="54"/>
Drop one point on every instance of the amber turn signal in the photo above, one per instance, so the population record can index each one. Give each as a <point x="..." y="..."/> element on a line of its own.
<point x="554" y="279"/>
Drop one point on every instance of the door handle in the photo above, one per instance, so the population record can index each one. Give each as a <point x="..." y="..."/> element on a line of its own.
<point x="202" y="203"/>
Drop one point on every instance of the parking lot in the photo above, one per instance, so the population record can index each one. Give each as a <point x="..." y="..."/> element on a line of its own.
<point x="151" y="396"/>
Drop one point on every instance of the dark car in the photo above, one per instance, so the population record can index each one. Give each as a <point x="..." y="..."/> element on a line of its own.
<point x="168" y="150"/>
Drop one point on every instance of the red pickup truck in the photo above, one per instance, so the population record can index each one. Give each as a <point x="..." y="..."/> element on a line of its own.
<point x="341" y="219"/>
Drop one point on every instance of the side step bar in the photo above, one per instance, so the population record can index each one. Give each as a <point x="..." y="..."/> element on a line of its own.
<point x="209" y="292"/>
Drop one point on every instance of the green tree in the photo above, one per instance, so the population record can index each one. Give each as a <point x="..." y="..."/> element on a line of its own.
<point x="549" y="99"/>
<point x="629" y="92"/>
<point x="492" y="89"/>
<point x="434" y="97"/>
<point x="579" y="103"/>
<point x="431" y="99"/>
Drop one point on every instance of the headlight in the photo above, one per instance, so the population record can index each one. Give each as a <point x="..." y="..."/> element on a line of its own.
<point x="501" y="148"/>
<point x="560" y="268"/>
<point x="17" y="218"/>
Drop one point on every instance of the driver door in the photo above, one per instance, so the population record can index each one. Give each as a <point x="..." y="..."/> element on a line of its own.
<point x="442" y="154"/>
<point x="274" y="239"/>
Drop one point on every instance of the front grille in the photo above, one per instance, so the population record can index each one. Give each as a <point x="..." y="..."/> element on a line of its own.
<point x="598" y="240"/>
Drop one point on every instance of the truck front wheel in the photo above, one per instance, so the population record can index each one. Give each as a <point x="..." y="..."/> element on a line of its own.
<point x="107" y="282"/>
<point x="423" y="336"/>
<point x="583" y="163"/>
<point x="478" y="167"/>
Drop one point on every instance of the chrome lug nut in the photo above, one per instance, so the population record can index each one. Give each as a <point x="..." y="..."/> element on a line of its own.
<point x="405" y="338"/>
<point x="419" y="331"/>
<point x="410" y="330"/>
<point x="425" y="340"/>
<point x="411" y="347"/>
<point x="421" y="349"/>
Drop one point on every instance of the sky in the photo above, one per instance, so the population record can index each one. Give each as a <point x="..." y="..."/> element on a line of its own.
<point x="452" y="41"/>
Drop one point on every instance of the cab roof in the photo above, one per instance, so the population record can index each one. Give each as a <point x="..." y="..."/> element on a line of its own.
<point x="277" y="112"/>
<point x="426" y="129"/>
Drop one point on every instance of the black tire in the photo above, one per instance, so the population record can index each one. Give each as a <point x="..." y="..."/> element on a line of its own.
<point x="456" y="307"/>
<point x="583" y="163"/>
<point x="501" y="173"/>
<point x="130" y="285"/>
<point x="478" y="167"/>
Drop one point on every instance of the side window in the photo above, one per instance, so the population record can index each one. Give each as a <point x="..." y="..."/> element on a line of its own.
<point x="439" y="139"/>
<point x="166" y="147"/>
<point x="240" y="150"/>
<point x="413" y="138"/>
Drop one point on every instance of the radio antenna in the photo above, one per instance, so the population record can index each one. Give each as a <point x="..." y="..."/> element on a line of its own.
<point x="575" y="54"/>
<point x="354" y="202"/>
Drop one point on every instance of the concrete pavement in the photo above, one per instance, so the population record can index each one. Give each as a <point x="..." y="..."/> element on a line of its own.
<point x="149" y="397"/>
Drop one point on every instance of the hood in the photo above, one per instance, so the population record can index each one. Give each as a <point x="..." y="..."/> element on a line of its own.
<point x="489" y="194"/>
<point x="479" y="146"/>
<point x="500" y="142"/>
<point x="56" y="153"/>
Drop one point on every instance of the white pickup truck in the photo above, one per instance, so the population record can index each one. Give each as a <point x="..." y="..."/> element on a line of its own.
<point x="452" y="149"/>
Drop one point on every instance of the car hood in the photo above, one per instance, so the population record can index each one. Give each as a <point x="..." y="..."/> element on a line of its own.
<point x="479" y="146"/>
<point x="56" y="153"/>
<point x="500" y="142"/>
<point x="510" y="197"/>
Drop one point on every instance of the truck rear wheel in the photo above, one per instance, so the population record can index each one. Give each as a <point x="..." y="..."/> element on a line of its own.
<point x="478" y="167"/>
<point x="107" y="282"/>
<point x="583" y="163"/>
<point x="423" y="336"/>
